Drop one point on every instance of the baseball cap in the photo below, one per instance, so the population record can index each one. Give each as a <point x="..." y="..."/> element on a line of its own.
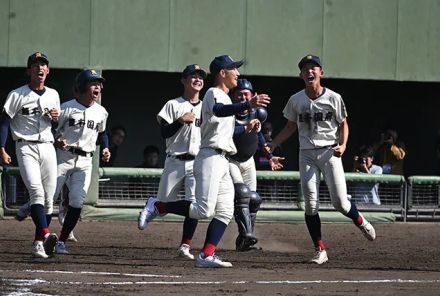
<point x="244" y="84"/>
<point x="223" y="62"/>
<point x="309" y="59"/>
<point x="37" y="56"/>
<point x="88" y="75"/>
<point x="193" y="68"/>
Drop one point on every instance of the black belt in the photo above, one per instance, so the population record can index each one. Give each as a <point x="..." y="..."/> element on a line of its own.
<point x="222" y="152"/>
<point x="30" y="141"/>
<point x="80" y="152"/>
<point x="183" y="157"/>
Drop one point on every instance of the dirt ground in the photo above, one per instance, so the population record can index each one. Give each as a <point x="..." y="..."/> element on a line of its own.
<point x="115" y="258"/>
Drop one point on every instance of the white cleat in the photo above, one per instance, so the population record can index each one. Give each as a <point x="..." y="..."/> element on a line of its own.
<point x="367" y="229"/>
<point x="211" y="262"/>
<point x="60" y="248"/>
<point x="148" y="213"/>
<point x="38" y="250"/>
<point x="71" y="237"/>
<point x="184" y="252"/>
<point x="320" y="256"/>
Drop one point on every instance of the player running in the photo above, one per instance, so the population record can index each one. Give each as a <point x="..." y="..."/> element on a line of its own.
<point x="214" y="187"/>
<point x="320" y="116"/>
<point x="81" y="123"/>
<point x="180" y="126"/>
<point x="31" y="111"/>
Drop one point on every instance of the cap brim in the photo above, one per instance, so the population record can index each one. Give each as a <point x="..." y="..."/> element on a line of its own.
<point x="201" y="72"/>
<point x="97" y="78"/>
<point x="301" y="64"/>
<point x="235" y="65"/>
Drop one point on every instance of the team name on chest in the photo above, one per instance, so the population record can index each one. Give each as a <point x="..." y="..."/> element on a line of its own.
<point x="317" y="116"/>
<point x="90" y="124"/>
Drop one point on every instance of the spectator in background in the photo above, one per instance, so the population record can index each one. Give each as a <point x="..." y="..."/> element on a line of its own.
<point x="117" y="137"/>
<point x="151" y="157"/>
<point x="390" y="153"/>
<point x="261" y="159"/>
<point x="363" y="163"/>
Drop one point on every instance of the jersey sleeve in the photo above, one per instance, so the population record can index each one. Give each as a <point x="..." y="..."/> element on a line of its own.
<point x="289" y="111"/>
<point x="13" y="104"/>
<point x="166" y="113"/>
<point x="341" y="111"/>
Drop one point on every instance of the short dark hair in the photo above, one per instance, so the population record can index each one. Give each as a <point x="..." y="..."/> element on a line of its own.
<point x="366" y="151"/>
<point x="118" y="127"/>
<point x="151" y="149"/>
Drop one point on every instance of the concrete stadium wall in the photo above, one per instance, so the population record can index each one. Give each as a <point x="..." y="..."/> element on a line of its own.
<point x="374" y="39"/>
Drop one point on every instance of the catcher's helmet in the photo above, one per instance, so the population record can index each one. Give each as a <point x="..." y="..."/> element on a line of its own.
<point x="86" y="76"/>
<point x="244" y="84"/>
<point x="261" y="114"/>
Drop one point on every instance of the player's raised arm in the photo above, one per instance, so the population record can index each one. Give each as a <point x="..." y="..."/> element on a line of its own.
<point x="283" y="135"/>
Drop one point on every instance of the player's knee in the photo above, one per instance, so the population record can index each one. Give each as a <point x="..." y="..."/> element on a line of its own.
<point x="311" y="208"/>
<point x="242" y="195"/>
<point x="76" y="201"/>
<point x="255" y="202"/>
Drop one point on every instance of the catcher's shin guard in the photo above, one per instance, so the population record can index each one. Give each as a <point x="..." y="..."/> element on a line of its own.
<point x="243" y="217"/>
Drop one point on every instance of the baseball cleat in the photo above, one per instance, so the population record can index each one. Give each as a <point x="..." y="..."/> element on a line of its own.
<point x="243" y="244"/>
<point x="38" y="250"/>
<point x="60" y="248"/>
<point x="71" y="237"/>
<point x="49" y="243"/>
<point x="320" y="256"/>
<point x="211" y="262"/>
<point x="184" y="252"/>
<point x="23" y="212"/>
<point x="148" y="213"/>
<point x="367" y="229"/>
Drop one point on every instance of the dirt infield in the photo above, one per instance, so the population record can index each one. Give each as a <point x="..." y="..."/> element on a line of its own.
<point x="114" y="258"/>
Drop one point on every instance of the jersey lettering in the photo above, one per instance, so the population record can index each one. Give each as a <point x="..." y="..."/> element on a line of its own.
<point x="30" y="111"/>
<point x="318" y="116"/>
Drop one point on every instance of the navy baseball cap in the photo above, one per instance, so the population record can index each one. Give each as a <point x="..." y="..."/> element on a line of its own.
<point x="194" y="68"/>
<point x="88" y="75"/>
<point x="35" y="57"/>
<point x="244" y="84"/>
<point x="309" y="59"/>
<point x="223" y="62"/>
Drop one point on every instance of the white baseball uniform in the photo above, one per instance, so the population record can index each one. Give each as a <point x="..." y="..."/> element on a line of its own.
<point x="79" y="126"/>
<point x="181" y="149"/>
<point x="214" y="187"/>
<point x="318" y="124"/>
<point x="31" y="130"/>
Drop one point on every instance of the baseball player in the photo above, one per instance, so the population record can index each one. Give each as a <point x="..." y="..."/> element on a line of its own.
<point x="30" y="112"/>
<point x="214" y="188"/>
<point x="81" y="123"/>
<point x="247" y="138"/>
<point x="180" y="126"/>
<point x="320" y="116"/>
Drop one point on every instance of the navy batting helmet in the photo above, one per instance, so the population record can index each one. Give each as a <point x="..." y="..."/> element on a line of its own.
<point x="86" y="76"/>
<point x="244" y="84"/>
<point x="261" y="114"/>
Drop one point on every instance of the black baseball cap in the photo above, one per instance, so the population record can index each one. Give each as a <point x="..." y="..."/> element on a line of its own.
<point x="309" y="59"/>
<point x="244" y="84"/>
<point x="223" y="62"/>
<point x="35" y="57"/>
<point x="88" y="75"/>
<point x="194" y="68"/>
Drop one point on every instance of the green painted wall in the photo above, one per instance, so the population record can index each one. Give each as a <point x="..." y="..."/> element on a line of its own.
<point x="369" y="39"/>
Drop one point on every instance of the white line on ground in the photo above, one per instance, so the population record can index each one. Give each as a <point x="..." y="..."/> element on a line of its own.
<point x="100" y="273"/>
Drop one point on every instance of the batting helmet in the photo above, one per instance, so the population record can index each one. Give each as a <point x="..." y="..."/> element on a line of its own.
<point x="86" y="76"/>
<point x="261" y="114"/>
<point x="244" y="84"/>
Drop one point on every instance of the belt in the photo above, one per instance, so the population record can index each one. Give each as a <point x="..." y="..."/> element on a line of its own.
<point x="30" y="141"/>
<point x="222" y="152"/>
<point x="80" y="152"/>
<point x="183" y="157"/>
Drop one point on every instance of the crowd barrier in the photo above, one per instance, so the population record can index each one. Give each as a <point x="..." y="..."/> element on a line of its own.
<point x="418" y="197"/>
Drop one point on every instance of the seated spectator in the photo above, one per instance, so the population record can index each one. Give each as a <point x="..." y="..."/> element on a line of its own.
<point x="390" y="153"/>
<point x="116" y="138"/>
<point x="151" y="157"/>
<point x="363" y="163"/>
